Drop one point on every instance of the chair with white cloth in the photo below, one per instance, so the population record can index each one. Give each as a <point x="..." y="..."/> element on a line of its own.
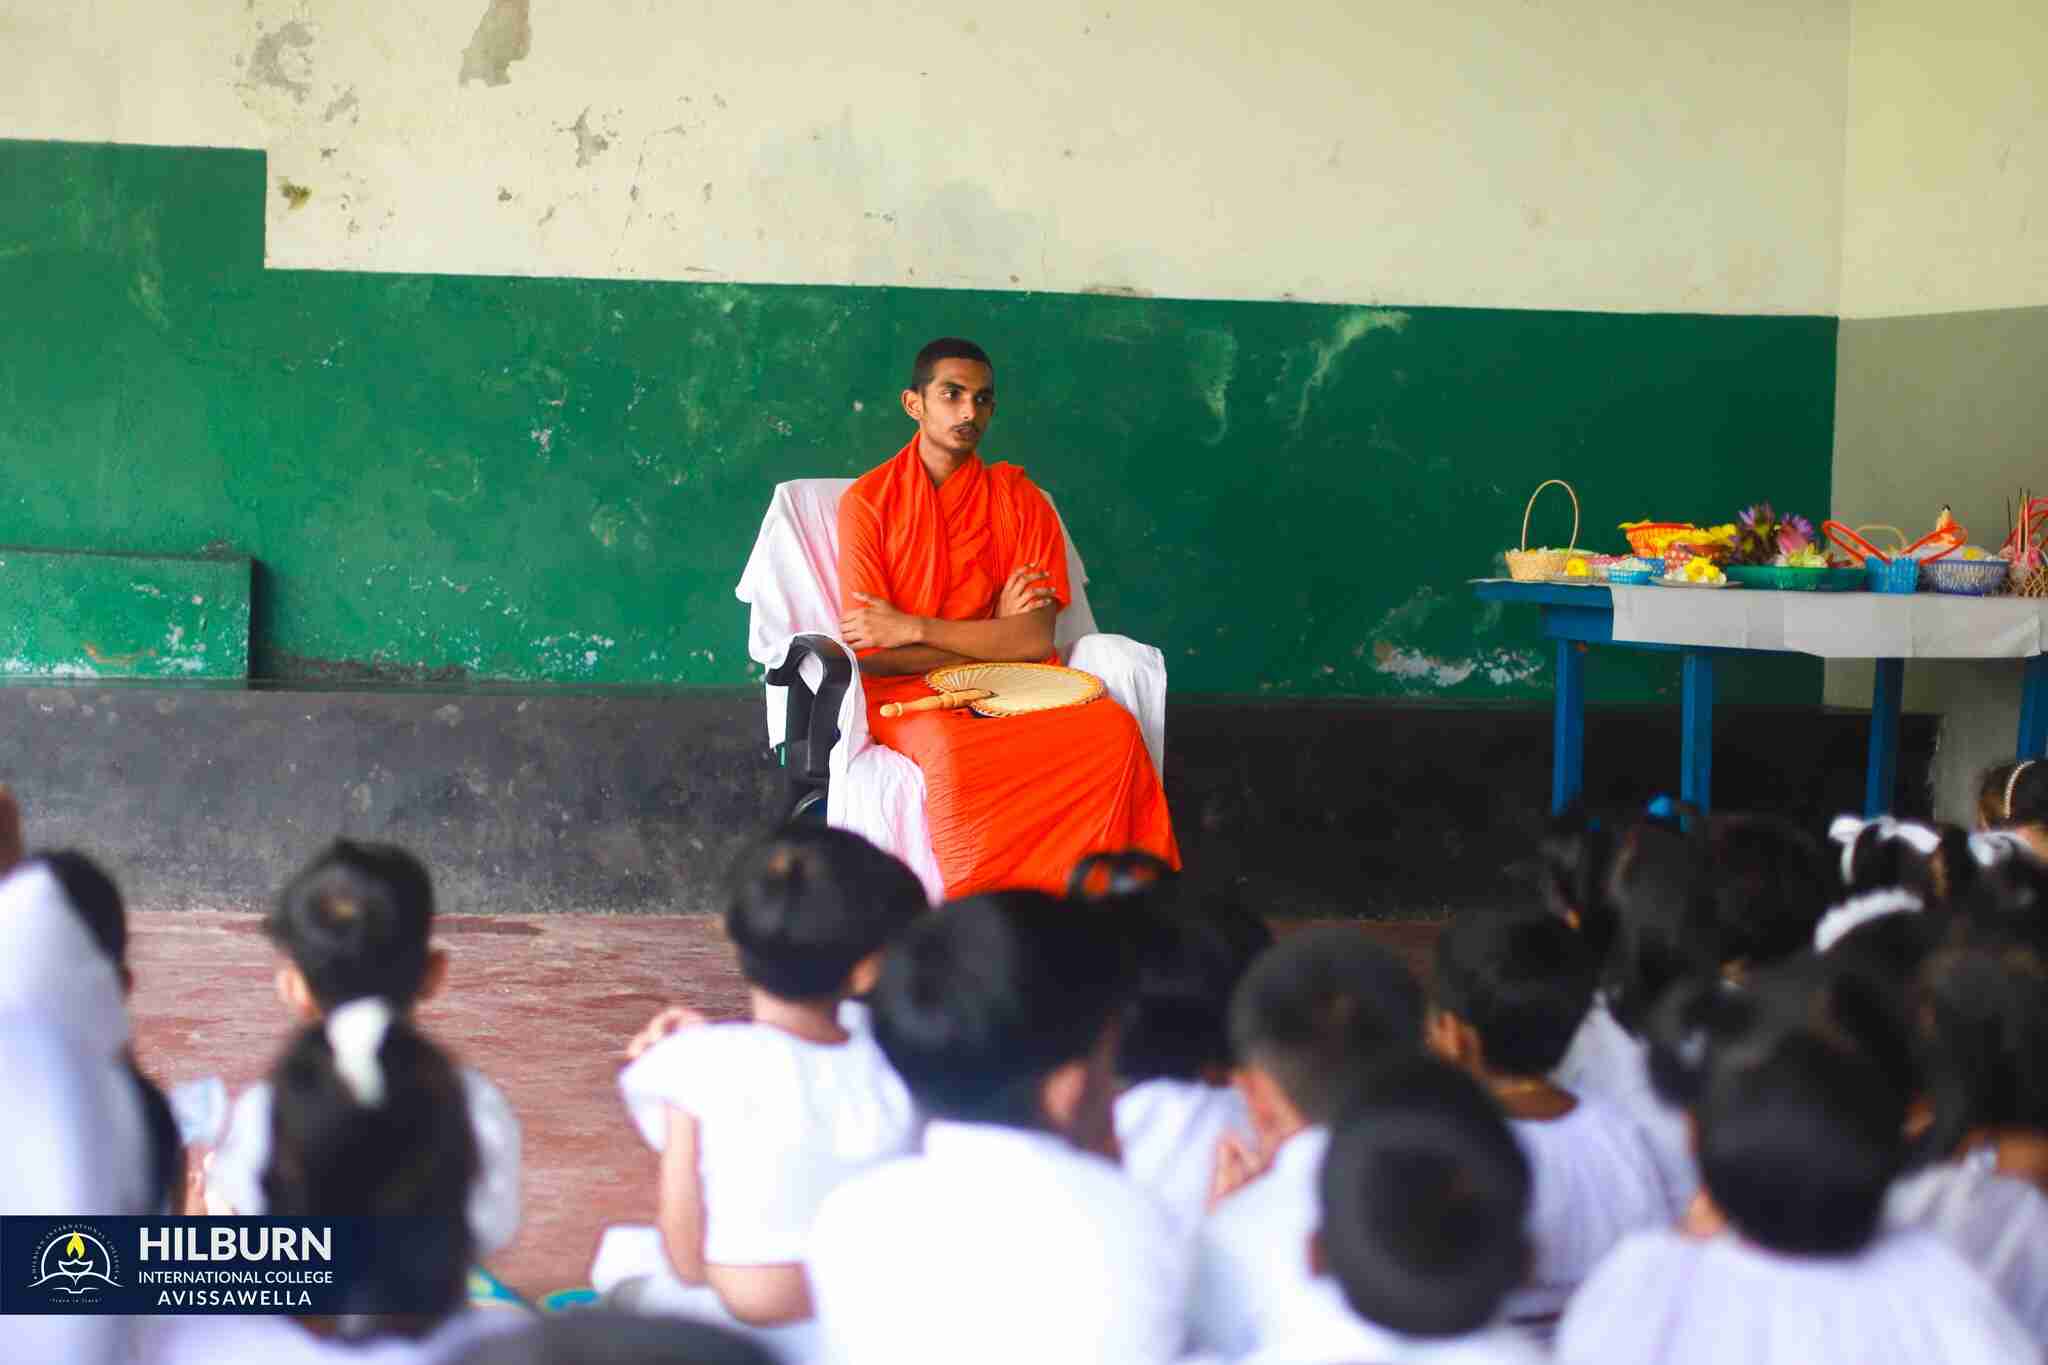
<point x="817" y="712"/>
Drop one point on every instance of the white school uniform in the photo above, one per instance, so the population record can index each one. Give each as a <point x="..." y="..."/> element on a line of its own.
<point x="1324" y="1330"/>
<point x="1996" y="1223"/>
<point x="1252" y="1258"/>
<point x="234" y="1178"/>
<point x="281" y="1341"/>
<point x="1168" y="1131"/>
<point x="1593" y="1181"/>
<point x="1669" y="1299"/>
<point x="1002" y="1247"/>
<point x="1607" y="1060"/>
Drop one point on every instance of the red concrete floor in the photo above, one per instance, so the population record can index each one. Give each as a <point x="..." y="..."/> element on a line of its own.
<point x="542" y="1004"/>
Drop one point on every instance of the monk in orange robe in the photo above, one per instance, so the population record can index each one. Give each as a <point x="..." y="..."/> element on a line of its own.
<point x="945" y="559"/>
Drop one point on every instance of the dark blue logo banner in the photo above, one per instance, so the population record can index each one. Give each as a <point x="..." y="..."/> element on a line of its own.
<point x="295" y="1266"/>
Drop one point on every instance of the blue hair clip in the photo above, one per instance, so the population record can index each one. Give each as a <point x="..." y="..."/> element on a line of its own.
<point x="1663" y="808"/>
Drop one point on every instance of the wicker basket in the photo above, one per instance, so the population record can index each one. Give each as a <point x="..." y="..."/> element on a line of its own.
<point x="1526" y="565"/>
<point x="1966" y="577"/>
<point x="1893" y="576"/>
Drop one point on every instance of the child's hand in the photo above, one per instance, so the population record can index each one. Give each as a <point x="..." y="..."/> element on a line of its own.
<point x="1238" y="1164"/>
<point x="198" y="1161"/>
<point x="674" y="1019"/>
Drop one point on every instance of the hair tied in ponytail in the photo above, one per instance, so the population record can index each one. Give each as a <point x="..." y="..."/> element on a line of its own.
<point x="355" y="1035"/>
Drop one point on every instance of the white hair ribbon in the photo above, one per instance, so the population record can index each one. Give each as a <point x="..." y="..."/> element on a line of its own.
<point x="355" y="1034"/>
<point x="1861" y="910"/>
<point x="1995" y="846"/>
<point x="1847" y="829"/>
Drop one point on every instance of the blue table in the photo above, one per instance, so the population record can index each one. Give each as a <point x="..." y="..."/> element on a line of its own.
<point x="1576" y="617"/>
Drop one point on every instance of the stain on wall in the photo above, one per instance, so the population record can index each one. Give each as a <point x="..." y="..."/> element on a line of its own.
<point x="558" y="480"/>
<point x="503" y="36"/>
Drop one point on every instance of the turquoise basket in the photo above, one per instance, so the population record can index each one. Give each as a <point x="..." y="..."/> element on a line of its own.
<point x="1900" y="575"/>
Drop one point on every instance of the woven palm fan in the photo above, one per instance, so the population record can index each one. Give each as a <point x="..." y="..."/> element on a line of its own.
<point x="1002" y="689"/>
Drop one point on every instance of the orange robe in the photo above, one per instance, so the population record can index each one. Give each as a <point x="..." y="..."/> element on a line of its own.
<point x="1015" y="801"/>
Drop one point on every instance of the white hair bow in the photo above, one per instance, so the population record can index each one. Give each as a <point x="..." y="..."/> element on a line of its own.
<point x="1847" y="829"/>
<point x="1861" y="910"/>
<point x="1995" y="846"/>
<point x="355" y="1034"/>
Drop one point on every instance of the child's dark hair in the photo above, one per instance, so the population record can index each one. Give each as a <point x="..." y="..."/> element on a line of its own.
<point x="1191" y="951"/>
<point x="1120" y="875"/>
<point x="2008" y="901"/>
<point x="97" y="900"/>
<point x="1577" y="852"/>
<point x="978" y="1002"/>
<point x="1522" y="981"/>
<point x="357" y="922"/>
<point x="2010" y="795"/>
<point x="1931" y="861"/>
<point x="1320" y="1007"/>
<point x="1771" y="883"/>
<point x="1425" y="1197"/>
<point x="166" y="1145"/>
<point x="404" y="1149"/>
<point x="600" y="1337"/>
<point x="1706" y="1026"/>
<point x="809" y="902"/>
<point x="1798" y="1144"/>
<point x="1985" y="1015"/>
<point x="1665" y="929"/>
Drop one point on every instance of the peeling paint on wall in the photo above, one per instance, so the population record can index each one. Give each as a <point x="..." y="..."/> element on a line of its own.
<point x="279" y="61"/>
<point x="503" y="36"/>
<point x="590" y="144"/>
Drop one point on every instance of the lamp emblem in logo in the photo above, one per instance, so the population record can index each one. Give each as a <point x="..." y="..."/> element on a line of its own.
<point x="74" y="1264"/>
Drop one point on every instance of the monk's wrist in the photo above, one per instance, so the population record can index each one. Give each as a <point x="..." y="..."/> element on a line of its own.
<point x="920" y="630"/>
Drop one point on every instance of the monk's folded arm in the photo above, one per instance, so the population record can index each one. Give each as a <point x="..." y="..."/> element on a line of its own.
<point x="904" y="659"/>
<point x="1007" y="639"/>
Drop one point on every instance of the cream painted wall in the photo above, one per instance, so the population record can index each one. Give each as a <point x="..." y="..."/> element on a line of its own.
<point x="1947" y="165"/>
<point x="1590" y="154"/>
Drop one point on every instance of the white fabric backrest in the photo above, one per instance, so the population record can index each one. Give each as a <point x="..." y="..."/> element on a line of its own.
<point x="792" y="577"/>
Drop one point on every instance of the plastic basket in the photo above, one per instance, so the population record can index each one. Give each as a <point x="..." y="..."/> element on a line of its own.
<point x="1777" y="576"/>
<point x="1649" y="538"/>
<point x="1633" y="578"/>
<point x="1966" y="577"/>
<point x="1897" y="575"/>
<point x="1527" y="565"/>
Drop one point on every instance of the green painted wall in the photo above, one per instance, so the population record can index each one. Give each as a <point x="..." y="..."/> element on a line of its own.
<point x="558" y="480"/>
<point x="74" y="614"/>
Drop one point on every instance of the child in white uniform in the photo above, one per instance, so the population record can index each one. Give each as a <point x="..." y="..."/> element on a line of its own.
<point x="1424" y="1199"/>
<point x="1009" y="1239"/>
<point x="367" y="1119"/>
<point x="1800" y="1133"/>
<point x="357" y="923"/>
<point x="1506" y="994"/>
<point x="1985" y="1015"/>
<point x="758" y="1122"/>
<point x="1179" y="1109"/>
<point x="1315" y="1011"/>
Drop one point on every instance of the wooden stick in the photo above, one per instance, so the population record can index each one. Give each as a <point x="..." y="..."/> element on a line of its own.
<point x="944" y="701"/>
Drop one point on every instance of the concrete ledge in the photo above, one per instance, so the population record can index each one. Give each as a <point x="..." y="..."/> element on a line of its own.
<point x="564" y="801"/>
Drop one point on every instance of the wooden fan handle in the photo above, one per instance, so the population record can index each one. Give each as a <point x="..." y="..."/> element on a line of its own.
<point x="944" y="701"/>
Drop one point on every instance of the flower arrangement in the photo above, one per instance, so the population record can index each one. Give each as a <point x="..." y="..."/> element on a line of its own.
<point x="1763" y="538"/>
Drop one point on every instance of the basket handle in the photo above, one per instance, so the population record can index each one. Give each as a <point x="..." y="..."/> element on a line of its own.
<point x="1941" y="543"/>
<point x="1532" y="507"/>
<point x="1848" y="540"/>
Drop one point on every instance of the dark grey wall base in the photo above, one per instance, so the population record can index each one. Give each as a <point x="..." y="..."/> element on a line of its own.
<point x="568" y="801"/>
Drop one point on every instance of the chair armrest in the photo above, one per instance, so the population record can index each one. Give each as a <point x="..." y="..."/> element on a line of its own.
<point x="813" y="717"/>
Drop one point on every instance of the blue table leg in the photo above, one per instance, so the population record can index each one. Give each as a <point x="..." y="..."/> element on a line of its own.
<point x="1881" y="780"/>
<point x="2034" y="710"/>
<point x="1568" y="728"/>
<point x="1696" y="780"/>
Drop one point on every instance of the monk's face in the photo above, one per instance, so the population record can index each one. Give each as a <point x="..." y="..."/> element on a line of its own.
<point x="954" y="409"/>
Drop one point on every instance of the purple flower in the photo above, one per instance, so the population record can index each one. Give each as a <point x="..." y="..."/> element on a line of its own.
<point x="1759" y="517"/>
<point x="1795" y="533"/>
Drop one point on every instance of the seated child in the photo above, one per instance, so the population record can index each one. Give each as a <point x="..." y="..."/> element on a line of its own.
<point x="1658" y="889"/>
<point x="367" y="1118"/>
<point x="1425" y="1195"/>
<point x="1008" y="1239"/>
<point x="59" y="973"/>
<point x="757" y="1122"/>
<point x="1316" y="1010"/>
<point x="357" y="924"/>
<point x="1800" y="1134"/>
<point x="1507" y="993"/>
<point x="1984" y="1013"/>
<point x="1179" y="1107"/>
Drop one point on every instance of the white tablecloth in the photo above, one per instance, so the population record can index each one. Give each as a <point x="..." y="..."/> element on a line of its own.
<point x="1834" y="625"/>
